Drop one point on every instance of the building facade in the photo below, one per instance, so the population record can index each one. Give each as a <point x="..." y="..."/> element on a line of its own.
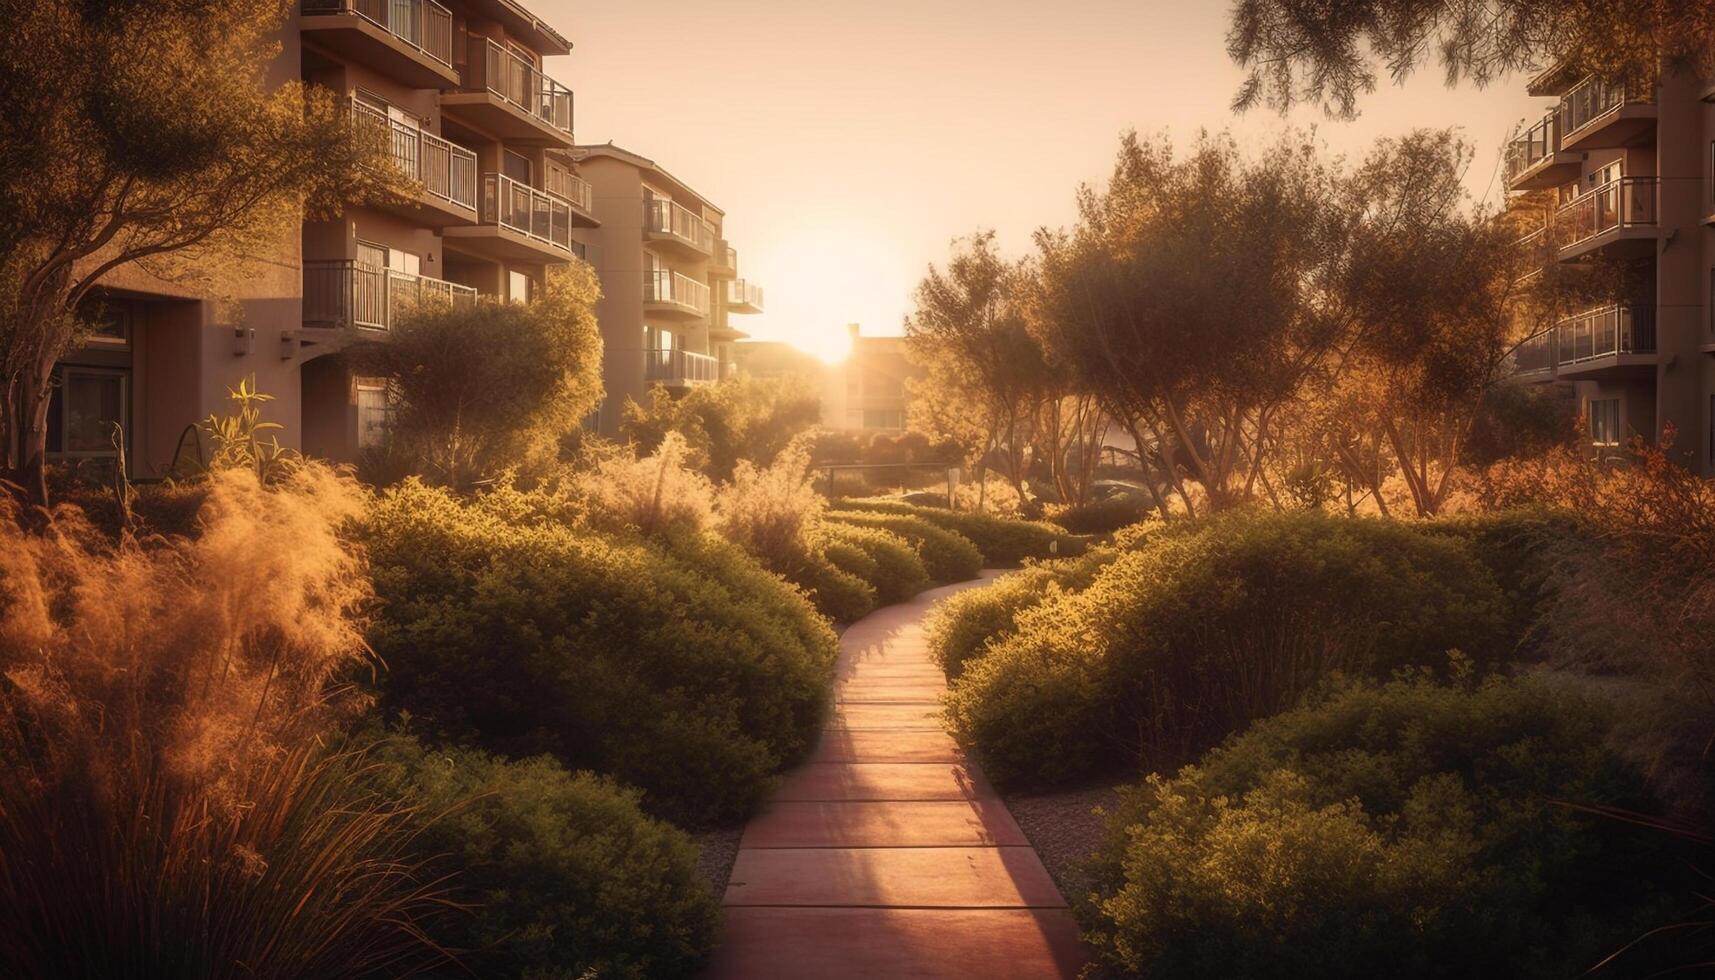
<point x="472" y="117"/>
<point x="868" y="391"/>
<point x="1631" y="175"/>
<point x="670" y="282"/>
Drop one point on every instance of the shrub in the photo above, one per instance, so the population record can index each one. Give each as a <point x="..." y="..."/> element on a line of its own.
<point x="565" y="875"/>
<point x="166" y="808"/>
<point x="1103" y="516"/>
<point x="481" y="388"/>
<point x="1005" y="542"/>
<point x="889" y="563"/>
<point x="1202" y="628"/>
<point x="656" y="493"/>
<point x="676" y="665"/>
<point x="963" y="625"/>
<point x="947" y="555"/>
<point x="1405" y="830"/>
<point x="838" y="594"/>
<point x="737" y="419"/>
<point x="771" y="511"/>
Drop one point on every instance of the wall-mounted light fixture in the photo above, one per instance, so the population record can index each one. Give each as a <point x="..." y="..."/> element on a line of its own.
<point x="288" y="345"/>
<point x="243" y="340"/>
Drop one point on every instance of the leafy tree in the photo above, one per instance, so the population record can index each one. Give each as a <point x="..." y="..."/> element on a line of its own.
<point x="1326" y="53"/>
<point x="724" y="423"/>
<point x="1197" y="294"/>
<point x="984" y="371"/>
<point x="481" y="388"/>
<point x="145" y="133"/>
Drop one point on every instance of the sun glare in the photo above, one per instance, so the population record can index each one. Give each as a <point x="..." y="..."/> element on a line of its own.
<point x="819" y="284"/>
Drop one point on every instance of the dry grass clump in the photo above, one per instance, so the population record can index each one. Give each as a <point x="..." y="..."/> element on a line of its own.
<point x="166" y="806"/>
<point x="648" y="494"/>
<point x="772" y="511"/>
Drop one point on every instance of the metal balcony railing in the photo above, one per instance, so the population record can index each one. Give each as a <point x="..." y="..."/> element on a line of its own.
<point x="741" y="292"/>
<point x="515" y="81"/>
<point x="664" y="286"/>
<point x="423" y="24"/>
<point x="1587" y="102"/>
<point x="347" y="293"/>
<point x="1536" y="353"/>
<point x="668" y="218"/>
<point x="1626" y="202"/>
<point x="679" y="367"/>
<point x="725" y="255"/>
<point x="1623" y="328"/>
<point x="526" y="210"/>
<point x="446" y="170"/>
<point x="575" y="189"/>
<point x="1534" y="145"/>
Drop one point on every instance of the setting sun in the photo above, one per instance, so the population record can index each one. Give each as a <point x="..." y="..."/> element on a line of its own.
<point x="826" y="276"/>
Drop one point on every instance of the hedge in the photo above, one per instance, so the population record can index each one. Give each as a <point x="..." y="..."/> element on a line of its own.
<point x="947" y="555"/>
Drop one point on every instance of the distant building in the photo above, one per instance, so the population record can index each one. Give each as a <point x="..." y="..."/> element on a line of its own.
<point x="869" y="391"/>
<point x="1630" y="173"/>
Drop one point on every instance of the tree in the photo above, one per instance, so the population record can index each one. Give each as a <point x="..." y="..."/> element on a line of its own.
<point x="480" y="388"/>
<point x="1326" y="53"/>
<point x="144" y="132"/>
<point x="1196" y="294"/>
<point x="1434" y="285"/>
<point x="984" y="372"/>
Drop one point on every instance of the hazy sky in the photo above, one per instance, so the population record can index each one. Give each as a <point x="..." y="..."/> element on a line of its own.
<point x="848" y="143"/>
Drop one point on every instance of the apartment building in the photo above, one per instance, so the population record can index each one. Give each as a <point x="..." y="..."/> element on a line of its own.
<point x="673" y="328"/>
<point x="460" y="89"/>
<point x="868" y="390"/>
<point x="1632" y="177"/>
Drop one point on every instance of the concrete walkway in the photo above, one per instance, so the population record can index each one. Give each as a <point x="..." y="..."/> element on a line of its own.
<point x="888" y="854"/>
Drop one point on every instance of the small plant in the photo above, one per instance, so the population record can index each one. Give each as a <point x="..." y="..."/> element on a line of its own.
<point x="651" y="495"/>
<point x="237" y="441"/>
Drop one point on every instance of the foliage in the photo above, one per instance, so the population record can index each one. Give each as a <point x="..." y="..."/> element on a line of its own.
<point x="1521" y="420"/>
<point x="235" y="440"/>
<point x="1200" y="629"/>
<point x="1326" y="54"/>
<point x="655" y="494"/>
<point x="565" y="875"/>
<point x="1103" y="516"/>
<point x="1410" y="829"/>
<point x="772" y="511"/>
<point x="889" y="562"/>
<point x="947" y="555"/>
<point x="676" y="665"/>
<point x="166" y="797"/>
<point x="736" y="419"/>
<point x="480" y="388"/>
<point x="148" y="137"/>
<point x="1004" y="542"/>
<point x="962" y="626"/>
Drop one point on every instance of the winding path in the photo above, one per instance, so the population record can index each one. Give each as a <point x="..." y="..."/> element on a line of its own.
<point x="888" y="855"/>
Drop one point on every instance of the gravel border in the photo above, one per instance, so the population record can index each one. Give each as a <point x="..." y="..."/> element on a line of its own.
<point x="1065" y="831"/>
<point x="716" y="851"/>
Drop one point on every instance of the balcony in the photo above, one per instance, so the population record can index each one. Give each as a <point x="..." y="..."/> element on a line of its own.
<point x="1606" y="342"/>
<point x="1619" y="216"/>
<point x="1596" y="115"/>
<point x="409" y="40"/>
<point x="574" y="190"/>
<point x="446" y="172"/>
<point x="743" y="296"/>
<point x="516" y="223"/>
<point x="669" y="294"/>
<point x="1533" y="360"/>
<point x="1538" y="250"/>
<point x="679" y="368"/>
<point x="723" y="260"/>
<point x="503" y="94"/>
<point x="678" y="228"/>
<point x="344" y="294"/>
<point x="1535" y="159"/>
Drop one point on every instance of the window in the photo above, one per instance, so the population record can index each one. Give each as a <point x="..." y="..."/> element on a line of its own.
<point x="92" y="402"/>
<point x="1605" y="421"/>
<point x="374" y="414"/>
<point x="383" y="257"/>
<point x="517" y="286"/>
<point x="110" y="326"/>
<point x="515" y="166"/>
<point x="887" y="418"/>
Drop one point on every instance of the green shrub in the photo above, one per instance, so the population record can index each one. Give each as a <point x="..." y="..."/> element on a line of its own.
<point x="889" y="563"/>
<point x="1103" y="516"/>
<point x="947" y="555"/>
<point x="677" y="665"/>
<point x="1005" y="542"/>
<point x="565" y="875"/>
<point x="1410" y="830"/>
<point x="1520" y="548"/>
<point x="838" y="594"/>
<point x="963" y="625"/>
<point x="1202" y="628"/>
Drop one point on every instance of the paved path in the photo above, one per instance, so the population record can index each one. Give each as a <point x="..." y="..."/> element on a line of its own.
<point x="888" y="855"/>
